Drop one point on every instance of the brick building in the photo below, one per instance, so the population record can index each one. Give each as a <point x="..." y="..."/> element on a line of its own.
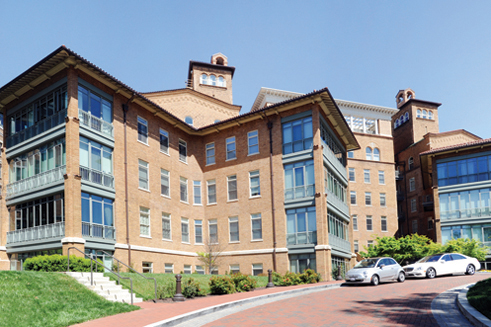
<point x="153" y="178"/>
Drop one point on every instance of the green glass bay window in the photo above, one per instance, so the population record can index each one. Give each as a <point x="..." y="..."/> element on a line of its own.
<point x="97" y="217"/>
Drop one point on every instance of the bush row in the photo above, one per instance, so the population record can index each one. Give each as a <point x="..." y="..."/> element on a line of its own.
<point x="58" y="263"/>
<point x="307" y="277"/>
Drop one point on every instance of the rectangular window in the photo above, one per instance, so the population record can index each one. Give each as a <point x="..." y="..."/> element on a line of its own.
<point x="257" y="269"/>
<point x="381" y="177"/>
<point x="351" y="174"/>
<point x="144" y="221"/>
<point x="255" y="187"/>
<point x="412" y="184"/>
<point x="415" y="226"/>
<point x="187" y="269"/>
<point x="234" y="269"/>
<point x="234" y="229"/>
<point x="353" y="197"/>
<point x="142" y="130"/>
<point x="183" y="152"/>
<point x="164" y="183"/>
<point x="382" y="200"/>
<point x="383" y="223"/>
<point x="147" y="267"/>
<point x="185" y="230"/>
<point x="413" y="205"/>
<point x="351" y="154"/>
<point x="297" y="135"/>
<point x="169" y="268"/>
<point x="164" y="141"/>
<point x="369" y="244"/>
<point x="200" y="270"/>
<point x="197" y="192"/>
<point x="253" y="142"/>
<point x="184" y="189"/>
<point x="198" y="231"/>
<point x="355" y="245"/>
<point x="166" y="227"/>
<point x="230" y="145"/>
<point x="210" y="153"/>
<point x="143" y="174"/>
<point x="369" y="223"/>
<point x="355" y="222"/>
<point x="213" y="231"/>
<point x="257" y="226"/>
<point x="366" y="175"/>
<point x="299" y="180"/>
<point x="430" y="223"/>
<point x="232" y="187"/>
<point x="368" y="198"/>
<point x="301" y="226"/>
<point x="212" y="191"/>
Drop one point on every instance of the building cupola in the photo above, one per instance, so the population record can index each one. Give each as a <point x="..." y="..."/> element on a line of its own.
<point x="404" y="96"/>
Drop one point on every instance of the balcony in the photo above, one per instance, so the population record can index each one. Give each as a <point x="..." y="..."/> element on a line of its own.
<point x="96" y="124"/>
<point x="35" y="182"/>
<point x="299" y="192"/>
<point x="466" y="213"/>
<point x="337" y="243"/>
<point x="36" y="129"/>
<point x="301" y="238"/>
<point x="36" y="233"/>
<point x="98" y="231"/>
<point x="97" y="177"/>
<point x="428" y="206"/>
<point x="399" y="176"/>
<point x="335" y="160"/>
<point x="337" y="202"/>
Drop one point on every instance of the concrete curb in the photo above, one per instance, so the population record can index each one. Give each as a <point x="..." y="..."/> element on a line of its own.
<point x="191" y="315"/>
<point x="475" y="317"/>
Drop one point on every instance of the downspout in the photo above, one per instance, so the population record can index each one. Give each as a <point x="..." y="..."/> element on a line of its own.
<point x="125" y="107"/>
<point x="270" y="127"/>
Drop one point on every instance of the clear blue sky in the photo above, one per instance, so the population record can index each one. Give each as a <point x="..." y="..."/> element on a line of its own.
<point x="363" y="51"/>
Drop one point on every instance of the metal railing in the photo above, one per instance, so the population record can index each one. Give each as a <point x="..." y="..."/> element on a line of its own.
<point x="130" y="268"/>
<point x="92" y="260"/>
<point x="336" y="202"/>
<point x="301" y="238"/>
<point x="335" y="160"/>
<point x="338" y="243"/>
<point x="98" y="231"/>
<point x="466" y="213"/>
<point x="300" y="192"/>
<point x="31" y="183"/>
<point x="38" y="128"/>
<point x="97" y="177"/>
<point x="36" y="233"/>
<point x="95" y="123"/>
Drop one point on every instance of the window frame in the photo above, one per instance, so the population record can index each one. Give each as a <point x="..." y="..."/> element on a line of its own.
<point x="163" y="175"/>
<point x="209" y="183"/>
<point x="414" y="205"/>
<point x="354" y="220"/>
<point x="383" y="224"/>
<point x="197" y="184"/>
<point x="351" y="173"/>
<point x="249" y="145"/>
<point x="146" y="167"/>
<point x="198" y="223"/>
<point x="167" y="216"/>
<point x="166" y="268"/>
<point x="183" y="181"/>
<point x="381" y="177"/>
<point x="256" y="217"/>
<point x="211" y="148"/>
<point x="369" y="223"/>
<point x="352" y="195"/>
<point x="366" y="176"/>
<point x="164" y="133"/>
<point x="183" y="147"/>
<point x="368" y="153"/>
<point x="230" y="140"/>
<point x="255" y="269"/>
<point x="412" y="184"/>
<point x="233" y="220"/>
<point x="142" y="121"/>
<point x="252" y="176"/>
<point x="368" y="199"/>
<point x="384" y="197"/>
<point x="147" y="265"/>
<point x="145" y="225"/>
<point x="212" y="222"/>
<point x="230" y="181"/>
<point x="185" y="222"/>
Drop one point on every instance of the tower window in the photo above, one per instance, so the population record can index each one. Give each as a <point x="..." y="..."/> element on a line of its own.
<point x="220" y="61"/>
<point x="213" y="80"/>
<point x="221" y="81"/>
<point x="425" y="114"/>
<point x="418" y="113"/>
<point x="204" y="79"/>
<point x="410" y="163"/>
<point x="368" y="151"/>
<point x="407" y="116"/>
<point x="430" y="114"/>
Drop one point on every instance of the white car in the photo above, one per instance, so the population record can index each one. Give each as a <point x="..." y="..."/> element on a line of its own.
<point x="374" y="271"/>
<point x="442" y="264"/>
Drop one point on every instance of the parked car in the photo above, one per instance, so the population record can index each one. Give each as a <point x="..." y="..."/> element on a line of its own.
<point x="443" y="264"/>
<point x="374" y="271"/>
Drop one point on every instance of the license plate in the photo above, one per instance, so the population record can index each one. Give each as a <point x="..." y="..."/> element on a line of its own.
<point x="352" y="279"/>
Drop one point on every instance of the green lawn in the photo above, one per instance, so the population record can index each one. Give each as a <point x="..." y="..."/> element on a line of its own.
<point x="479" y="297"/>
<point x="50" y="299"/>
<point x="145" y="288"/>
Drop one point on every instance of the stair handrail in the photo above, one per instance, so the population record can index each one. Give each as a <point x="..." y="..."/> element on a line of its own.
<point x="100" y="264"/>
<point x="124" y="264"/>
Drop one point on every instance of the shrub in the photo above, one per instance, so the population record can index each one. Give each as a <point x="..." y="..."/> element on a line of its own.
<point x="221" y="285"/>
<point x="58" y="263"/>
<point x="167" y="290"/>
<point x="191" y="288"/>
<point x="243" y="283"/>
<point x="309" y="276"/>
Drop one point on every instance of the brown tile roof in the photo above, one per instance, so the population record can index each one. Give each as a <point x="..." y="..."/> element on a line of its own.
<point x="457" y="146"/>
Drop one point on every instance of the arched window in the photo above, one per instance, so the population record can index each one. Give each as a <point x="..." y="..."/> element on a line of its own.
<point x="368" y="152"/>
<point x="430" y="114"/>
<point x="189" y="120"/>
<point x="376" y="154"/>
<point x="221" y="81"/>
<point x="410" y="163"/>
<point x="219" y="61"/>
<point x="407" y="116"/>
<point x="204" y="79"/>
<point x="396" y="123"/>
<point x="213" y="80"/>
<point x="403" y="119"/>
<point x="425" y="114"/>
<point x="418" y="113"/>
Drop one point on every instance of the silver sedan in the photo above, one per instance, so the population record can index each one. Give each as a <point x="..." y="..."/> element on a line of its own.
<point x="374" y="271"/>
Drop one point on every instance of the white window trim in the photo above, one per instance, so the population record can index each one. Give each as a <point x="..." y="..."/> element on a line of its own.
<point x="207" y="192"/>
<point x="386" y="224"/>
<point x="383" y="174"/>
<point x="148" y="176"/>
<point x="186" y="220"/>
<point x="149" y="223"/>
<point x="187" y="190"/>
<point x="200" y="194"/>
<point x="212" y="222"/>
<point x="250" y="185"/>
<point x="353" y="217"/>
<point x="178" y="149"/>
<point x="226" y="151"/>
<point x="365" y="171"/>
<point x="252" y="234"/>
<point x="356" y="199"/>
<point x="214" y="154"/>
<point x="202" y="231"/>
<point x="146" y="124"/>
<point x="233" y="220"/>
<point x="371" y="202"/>
<point x="385" y="200"/>
<point x="166" y="268"/>
<point x="170" y="224"/>
<point x="249" y="145"/>
<point x="168" y="142"/>
<point x="412" y="187"/>
<point x="354" y="175"/>
<point x="236" y="189"/>
<point x="168" y="175"/>
<point x="366" y="223"/>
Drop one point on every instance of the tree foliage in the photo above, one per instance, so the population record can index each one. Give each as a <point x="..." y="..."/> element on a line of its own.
<point x="414" y="247"/>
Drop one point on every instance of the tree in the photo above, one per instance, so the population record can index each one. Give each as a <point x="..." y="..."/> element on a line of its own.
<point x="210" y="258"/>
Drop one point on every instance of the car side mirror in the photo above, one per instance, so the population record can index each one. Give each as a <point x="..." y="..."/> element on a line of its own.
<point x="381" y="266"/>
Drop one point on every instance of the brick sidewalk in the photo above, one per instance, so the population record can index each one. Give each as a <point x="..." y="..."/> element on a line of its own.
<point x="154" y="312"/>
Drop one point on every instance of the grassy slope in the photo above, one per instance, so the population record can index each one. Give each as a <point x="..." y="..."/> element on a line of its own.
<point x="479" y="296"/>
<point x="145" y="288"/>
<point x="50" y="299"/>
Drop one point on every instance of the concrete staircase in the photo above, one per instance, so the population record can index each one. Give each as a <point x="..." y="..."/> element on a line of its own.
<point x="104" y="287"/>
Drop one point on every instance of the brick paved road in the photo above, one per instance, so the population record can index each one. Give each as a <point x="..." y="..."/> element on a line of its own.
<point x="394" y="304"/>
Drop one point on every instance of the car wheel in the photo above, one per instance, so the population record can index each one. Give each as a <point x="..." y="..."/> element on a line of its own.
<point x="401" y="278"/>
<point x="471" y="270"/>
<point x="430" y="273"/>
<point x="375" y="280"/>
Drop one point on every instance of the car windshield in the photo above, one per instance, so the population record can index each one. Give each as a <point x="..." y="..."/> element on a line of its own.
<point x="367" y="263"/>
<point x="431" y="258"/>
